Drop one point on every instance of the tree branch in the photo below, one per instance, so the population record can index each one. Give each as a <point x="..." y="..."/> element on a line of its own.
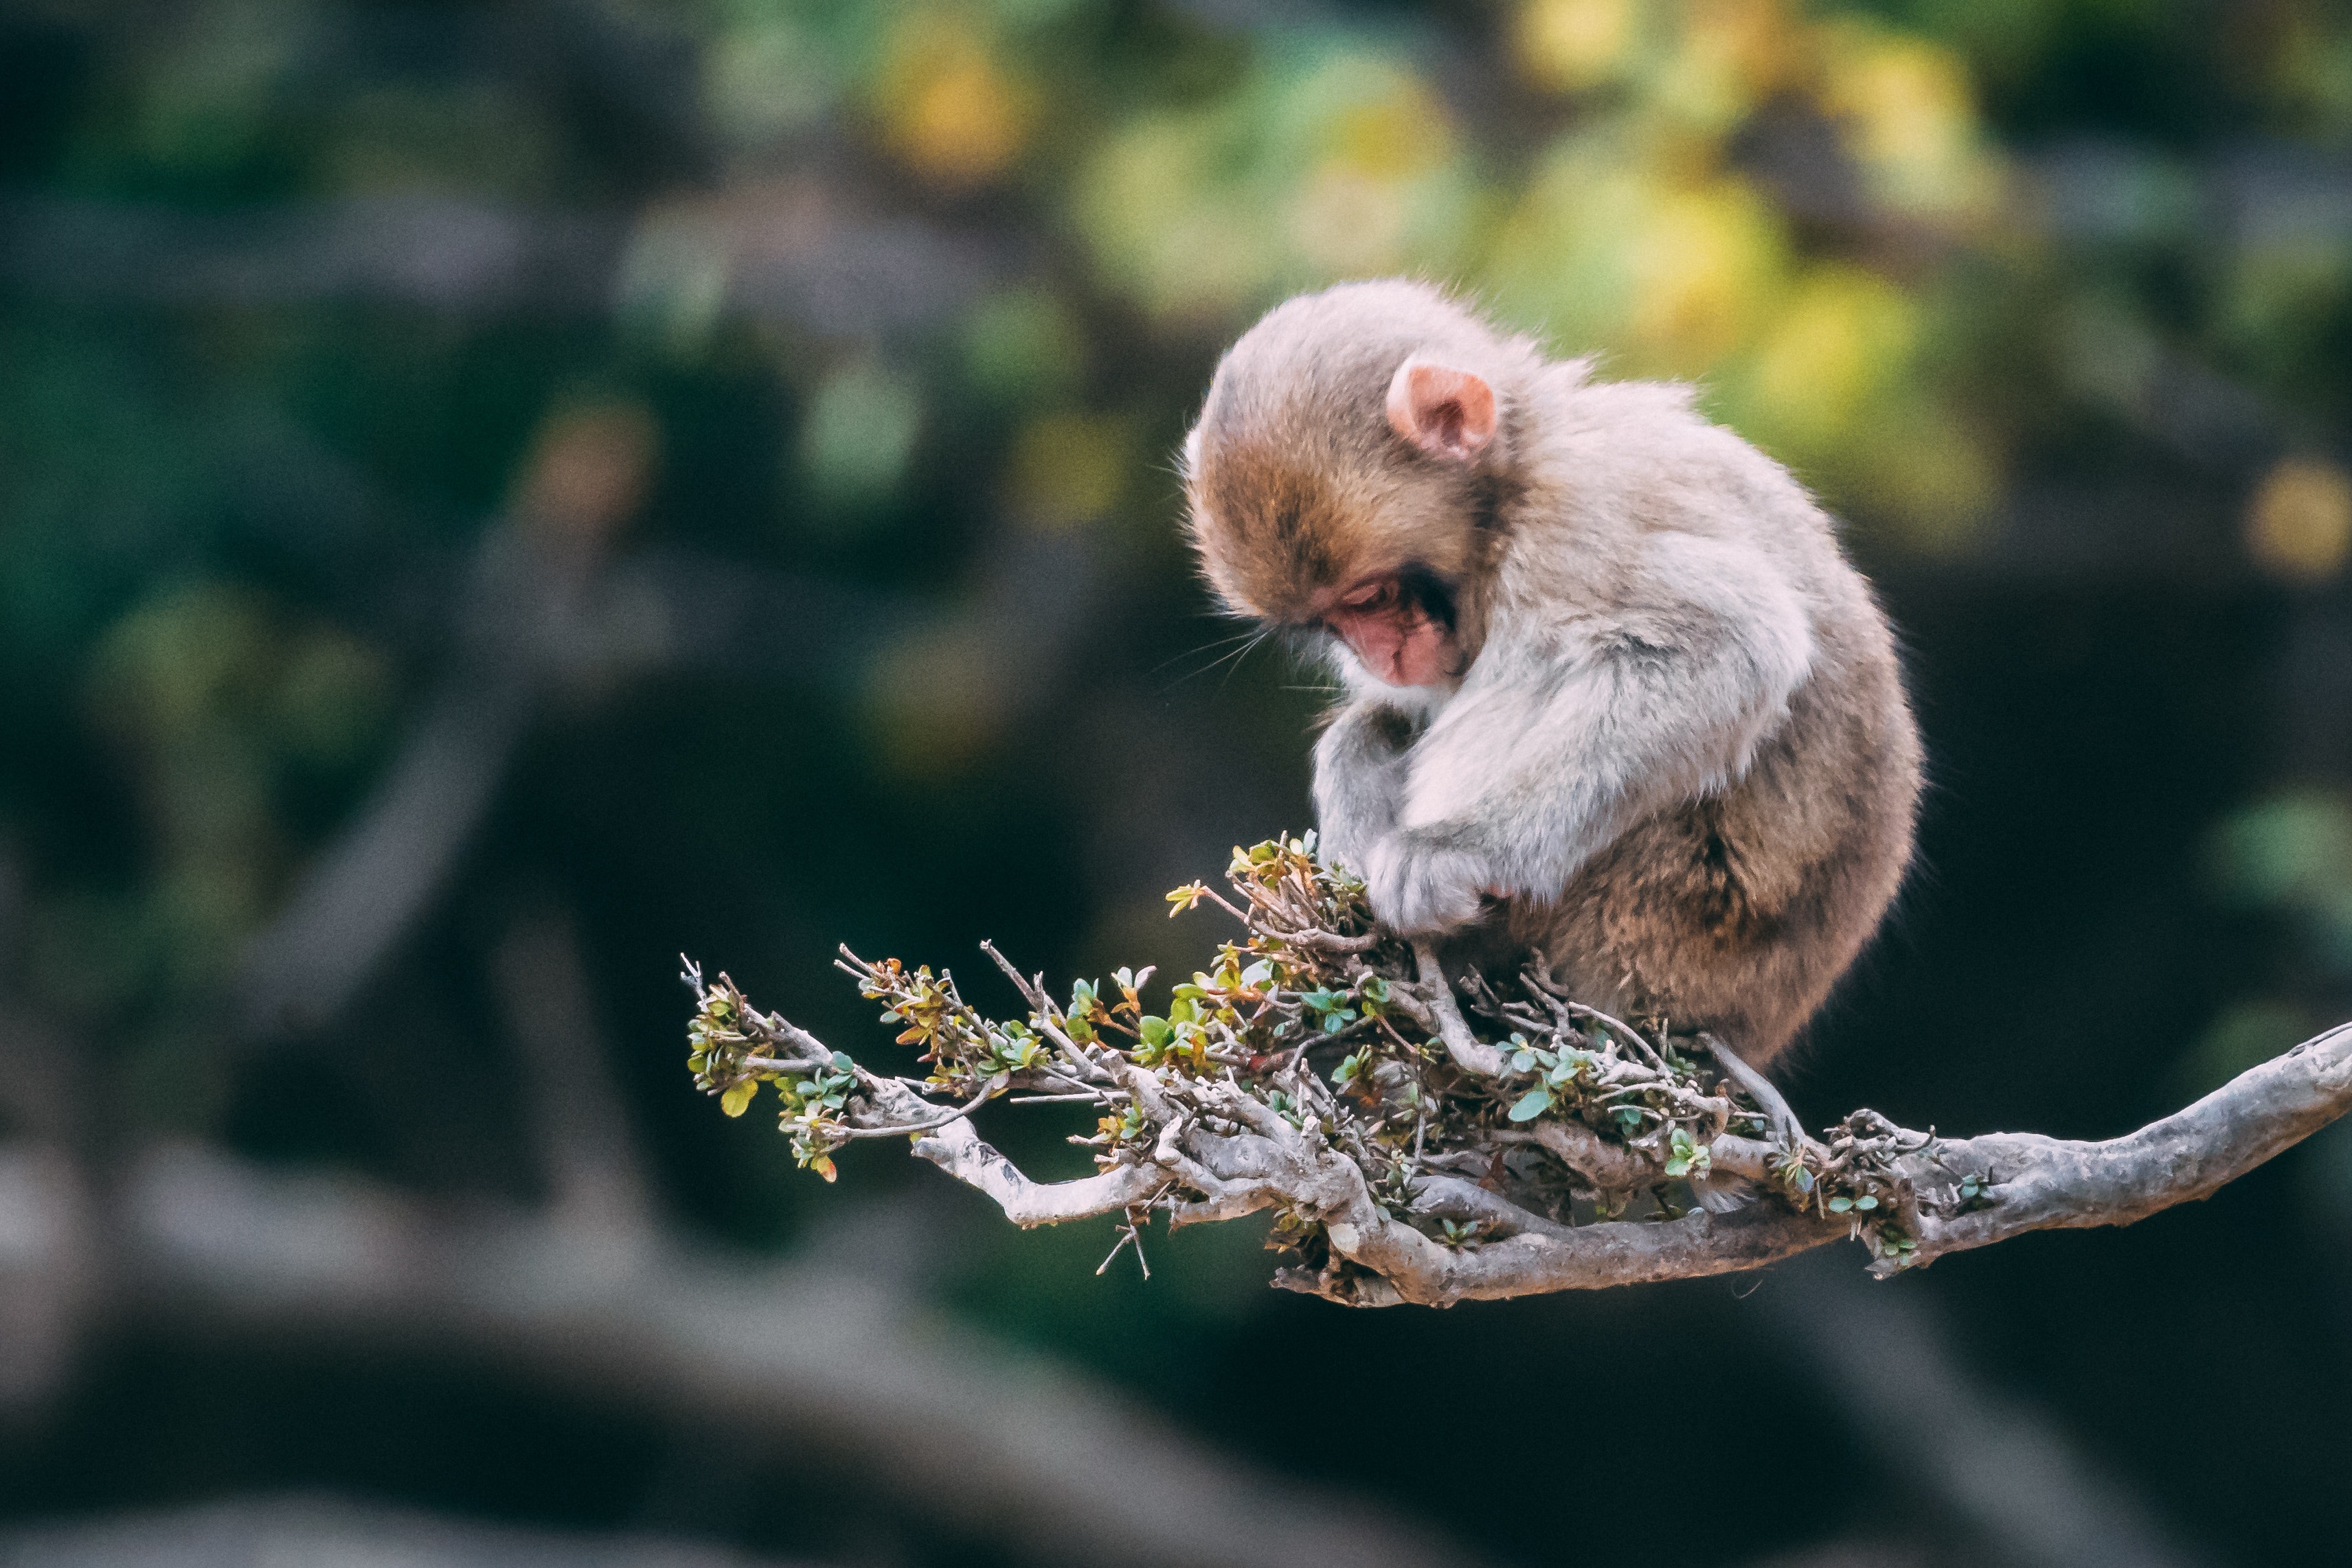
<point x="833" y="1356"/>
<point x="1429" y="1166"/>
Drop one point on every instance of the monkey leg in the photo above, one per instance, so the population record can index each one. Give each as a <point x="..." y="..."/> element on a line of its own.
<point x="1786" y="1129"/>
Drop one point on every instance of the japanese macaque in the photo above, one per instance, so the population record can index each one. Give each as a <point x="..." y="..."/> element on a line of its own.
<point x="1616" y="701"/>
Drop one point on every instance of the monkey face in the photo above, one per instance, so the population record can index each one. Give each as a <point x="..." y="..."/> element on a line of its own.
<point x="1341" y="474"/>
<point x="1400" y="626"/>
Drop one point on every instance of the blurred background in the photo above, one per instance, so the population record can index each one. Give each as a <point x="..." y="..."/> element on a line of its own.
<point x="493" y="495"/>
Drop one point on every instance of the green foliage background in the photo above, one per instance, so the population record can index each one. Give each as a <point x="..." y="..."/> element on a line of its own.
<point x="906" y="305"/>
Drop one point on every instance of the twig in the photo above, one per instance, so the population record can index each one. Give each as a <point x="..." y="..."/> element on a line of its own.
<point x="1468" y="1054"/>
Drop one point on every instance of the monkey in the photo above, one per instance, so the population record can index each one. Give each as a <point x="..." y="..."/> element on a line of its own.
<point x="1614" y="700"/>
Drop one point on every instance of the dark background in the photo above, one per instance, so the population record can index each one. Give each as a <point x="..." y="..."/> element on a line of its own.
<point x="699" y="478"/>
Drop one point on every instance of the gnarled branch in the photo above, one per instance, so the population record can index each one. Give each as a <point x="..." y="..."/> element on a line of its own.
<point x="1430" y="1165"/>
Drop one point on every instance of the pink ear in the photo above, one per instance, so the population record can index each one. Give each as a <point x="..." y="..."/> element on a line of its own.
<point x="1445" y="411"/>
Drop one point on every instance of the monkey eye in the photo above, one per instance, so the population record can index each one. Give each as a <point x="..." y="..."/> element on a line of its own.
<point x="1372" y="596"/>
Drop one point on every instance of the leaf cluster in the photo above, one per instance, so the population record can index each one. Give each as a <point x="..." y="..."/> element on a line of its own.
<point x="1315" y="1015"/>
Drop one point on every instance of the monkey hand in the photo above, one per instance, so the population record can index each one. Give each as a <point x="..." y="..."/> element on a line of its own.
<point x="1419" y="882"/>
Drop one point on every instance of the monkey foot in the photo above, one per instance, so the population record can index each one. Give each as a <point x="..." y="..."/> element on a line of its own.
<point x="1786" y="1128"/>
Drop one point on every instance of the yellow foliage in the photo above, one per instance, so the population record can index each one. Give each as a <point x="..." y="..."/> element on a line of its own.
<point x="1567" y="46"/>
<point x="2299" y="523"/>
<point x="1909" y="116"/>
<point x="1728" y="57"/>
<point x="1149" y="209"/>
<point x="1344" y="165"/>
<point x="1704" y="263"/>
<point x="1842" y="335"/>
<point x="1606" y="252"/>
<point x="1391" y="127"/>
<point x="949" y="108"/>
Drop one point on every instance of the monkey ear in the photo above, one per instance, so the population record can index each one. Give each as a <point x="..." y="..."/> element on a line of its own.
<point x="1446" y="412"/>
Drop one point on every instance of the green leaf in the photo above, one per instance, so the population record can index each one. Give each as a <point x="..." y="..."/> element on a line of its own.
<point x="1155" y="1032"/>
<point x="1531" y="1104"/>
<point x="1521" y="1061"/>
<point x="1866" y="1202"/>
<point x="737" y="1097"/>
<point x="1840" y="1205"/>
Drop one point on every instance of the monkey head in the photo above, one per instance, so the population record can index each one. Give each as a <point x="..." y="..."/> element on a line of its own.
<point x="1343" y="471"/>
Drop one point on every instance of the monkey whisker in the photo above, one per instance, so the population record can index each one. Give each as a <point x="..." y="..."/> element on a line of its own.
<point x="1248" y="643"/>
<point x="1248" y="634"/>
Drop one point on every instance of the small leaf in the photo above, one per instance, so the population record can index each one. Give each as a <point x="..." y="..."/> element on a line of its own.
<point x="1840" y="1205"/>
<point x="1531" y="1104"/>
<point x="737" y="1098"/>
<point x="1866" y="1202"/>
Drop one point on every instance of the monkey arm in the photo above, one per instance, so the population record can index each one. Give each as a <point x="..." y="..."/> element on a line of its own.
<point x="1360" y="778"/>
<point x="1566" y="733"/>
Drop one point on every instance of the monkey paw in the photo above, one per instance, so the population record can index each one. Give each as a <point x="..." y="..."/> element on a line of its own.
<point x="1417" y="885"/>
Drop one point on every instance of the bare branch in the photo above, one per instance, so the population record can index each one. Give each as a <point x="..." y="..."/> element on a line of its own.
<point x="956" y="1149"/>
<point x="2042" y="1184"/>
<point x="1470" y="1056"/>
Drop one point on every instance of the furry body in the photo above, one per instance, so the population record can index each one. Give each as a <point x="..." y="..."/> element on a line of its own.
<point x="1674" y="740"/>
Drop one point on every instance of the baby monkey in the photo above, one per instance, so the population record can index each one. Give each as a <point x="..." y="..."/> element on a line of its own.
<point x="1615" y="699"/>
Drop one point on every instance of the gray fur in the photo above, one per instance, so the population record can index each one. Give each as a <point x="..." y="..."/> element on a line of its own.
<point x="1679" y="747"/>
